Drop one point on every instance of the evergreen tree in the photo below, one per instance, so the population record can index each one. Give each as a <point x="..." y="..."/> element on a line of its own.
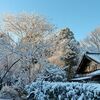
<point x="70" y="49"/>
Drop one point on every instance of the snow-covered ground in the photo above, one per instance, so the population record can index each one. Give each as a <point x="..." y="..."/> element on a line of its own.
<point x="64" y="91"/>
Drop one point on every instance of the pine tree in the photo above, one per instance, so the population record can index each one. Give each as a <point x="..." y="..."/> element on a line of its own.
<point x="70" y="49"/>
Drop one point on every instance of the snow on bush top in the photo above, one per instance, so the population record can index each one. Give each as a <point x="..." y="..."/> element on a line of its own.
<point x="63" y="90"/>
<point x="51" y="73"/>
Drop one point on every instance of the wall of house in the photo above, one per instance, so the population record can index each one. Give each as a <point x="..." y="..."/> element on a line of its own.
<point x="92" y="66"/>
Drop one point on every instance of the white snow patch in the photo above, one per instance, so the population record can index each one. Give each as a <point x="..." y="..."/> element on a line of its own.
<point x="95" y="57"/>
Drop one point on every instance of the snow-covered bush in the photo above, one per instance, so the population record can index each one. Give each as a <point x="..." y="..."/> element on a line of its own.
<point x="51" y="73"/>
<point x="8" y="92"/>
<point x="13" y="92"/>
<point x="63" y="91"/>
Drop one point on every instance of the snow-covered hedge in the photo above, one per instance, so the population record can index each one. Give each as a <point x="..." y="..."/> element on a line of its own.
<point x="63" y="91"/>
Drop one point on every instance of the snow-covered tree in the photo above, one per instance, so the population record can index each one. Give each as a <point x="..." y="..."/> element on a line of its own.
<point x="92" y="41"/>
<point x="71" y="50"/>
<point x="30" y="45"/>
<point x="66" y="51"/>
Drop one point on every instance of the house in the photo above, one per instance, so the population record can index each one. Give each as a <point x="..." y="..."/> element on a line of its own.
<point x="88" y="68"/>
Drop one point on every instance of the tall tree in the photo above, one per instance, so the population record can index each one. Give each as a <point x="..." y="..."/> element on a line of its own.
<point x="92" y="41"/>
<point x="31" y="31"/>
<point x="71" y="51"/>
<point x="66" y="51"/>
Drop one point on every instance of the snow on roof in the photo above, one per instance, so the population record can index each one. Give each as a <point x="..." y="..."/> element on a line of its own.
<point x="88" y="76"/>
<point x="97" y="72"/>
<point x="94" y="56"/>
<point x="81" y="78"/>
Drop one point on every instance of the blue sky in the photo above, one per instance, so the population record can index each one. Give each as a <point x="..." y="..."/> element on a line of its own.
<point x="81" y="16"/>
